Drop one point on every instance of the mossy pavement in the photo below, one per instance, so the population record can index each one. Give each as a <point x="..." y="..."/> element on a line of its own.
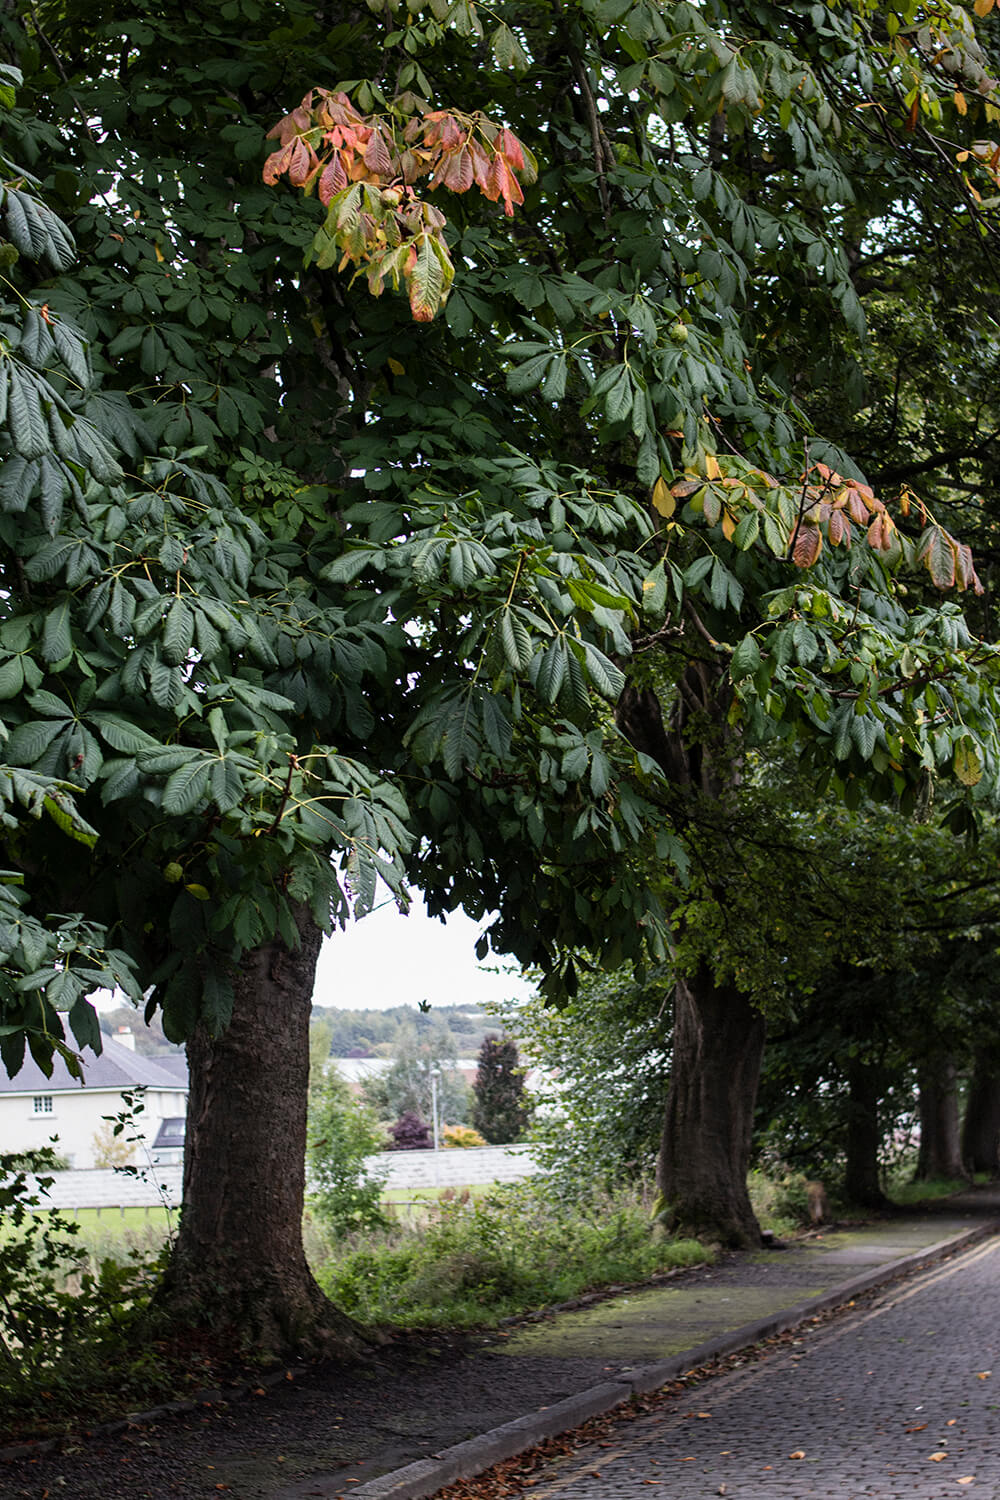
<point x="600" y="1354"/>
<point x="422" y="1414"/>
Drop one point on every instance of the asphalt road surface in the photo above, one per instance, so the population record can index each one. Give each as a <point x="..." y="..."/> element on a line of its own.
<point x="901" y="1400"/>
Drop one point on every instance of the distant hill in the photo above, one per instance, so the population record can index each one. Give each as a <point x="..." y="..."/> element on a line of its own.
<point x="373" y="1033"/>
<point x="149" y="1040"/>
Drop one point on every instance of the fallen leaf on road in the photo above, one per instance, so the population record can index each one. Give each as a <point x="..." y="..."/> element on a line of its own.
<point x="703" y="1414"/>
<point x="935" y="1458"/>
<point x="951" y="1422"/>
<point x="966" y="1479"/>
<point x="984" y="1374"/>
<point x="799" y="1453"/>
<point x="919" y="1427"/>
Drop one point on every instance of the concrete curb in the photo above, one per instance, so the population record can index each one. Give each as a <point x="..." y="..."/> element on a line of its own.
<point x="421" y="1480"/>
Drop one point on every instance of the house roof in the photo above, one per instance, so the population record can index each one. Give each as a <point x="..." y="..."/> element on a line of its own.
<point x="170" y="1135"/>
<point x="117" y="1067"/>
<point x="174" y="1063"/>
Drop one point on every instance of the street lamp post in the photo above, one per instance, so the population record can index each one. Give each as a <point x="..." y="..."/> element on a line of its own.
<point x="435" y="1075"/>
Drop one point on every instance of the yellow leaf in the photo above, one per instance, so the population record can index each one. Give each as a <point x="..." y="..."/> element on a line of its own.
<point x="663" y="500"/>
<point x="969" y="770"/>
<point x="712" y="466"/>
<point x="935" y="1458"/>
<point x="395" y="366"/>
<point x="159" y="253"/>
<point x="799" y="1453"/>
<point x="983" y="7"/>
<point x="728" y="525"/>
<point x="198" y="891"/>
<point x="960" y="103"/>
<point x="968" y="1478"/>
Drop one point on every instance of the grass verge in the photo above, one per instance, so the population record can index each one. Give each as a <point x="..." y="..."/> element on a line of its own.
<point x="476" y="1261"/>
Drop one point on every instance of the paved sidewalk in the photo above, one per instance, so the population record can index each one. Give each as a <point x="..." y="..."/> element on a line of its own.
<point x="421" y="1413"/>
<point x="897" y="1403"/>
<point x="640" y="1340"/>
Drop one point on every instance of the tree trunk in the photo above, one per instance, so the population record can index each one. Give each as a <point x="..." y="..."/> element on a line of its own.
<point x="981" y="1126"/>
<point x="718" y="1036"/>
<point x="862" y="1185"/>
<point x="239" y="1260"/>
<point x="705" y="1150"/>
<point x="940" y="1138"/>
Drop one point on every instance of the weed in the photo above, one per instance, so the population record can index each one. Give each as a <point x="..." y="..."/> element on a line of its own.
<point x="472" y="1263"/>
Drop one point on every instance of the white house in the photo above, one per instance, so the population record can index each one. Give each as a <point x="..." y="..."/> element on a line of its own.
<point x="34" y="1108"/>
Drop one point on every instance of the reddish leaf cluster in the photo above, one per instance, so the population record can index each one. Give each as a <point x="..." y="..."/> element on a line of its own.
<point x="830" y="507"/>
<point x="824" y="507"/>
<point x="326" y="144"/>
<point x="836" y="502"/>
<point x="363" y="170"/>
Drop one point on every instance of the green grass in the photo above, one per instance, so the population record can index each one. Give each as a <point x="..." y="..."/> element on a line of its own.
<point x="509" y="1251"/>
<point x="905" y="1192"/>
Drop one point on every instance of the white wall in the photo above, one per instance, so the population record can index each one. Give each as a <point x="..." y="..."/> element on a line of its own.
<point x="77" y="1116"/>
<point x="408" y="1169"/>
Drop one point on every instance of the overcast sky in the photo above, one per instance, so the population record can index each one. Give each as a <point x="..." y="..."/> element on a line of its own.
<point x="387" y="959"/>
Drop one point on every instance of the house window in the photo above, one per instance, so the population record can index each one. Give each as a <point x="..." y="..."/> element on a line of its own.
<point x="42" y="1104"/>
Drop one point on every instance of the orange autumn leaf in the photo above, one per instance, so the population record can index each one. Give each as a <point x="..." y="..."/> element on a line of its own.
<point x="808" y="546"/>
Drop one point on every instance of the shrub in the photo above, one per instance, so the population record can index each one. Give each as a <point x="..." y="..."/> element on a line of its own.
<point x="344" y="1192"/>
<point x="462" y="1136"/>
<point x="111" y="1149"/>
<point x="410" y="1133"/>
<point x="68" y="1333"/>
<point x="474" y="1262"/>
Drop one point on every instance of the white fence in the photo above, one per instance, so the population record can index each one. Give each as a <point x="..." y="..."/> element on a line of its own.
<point x="109" y="1191"/>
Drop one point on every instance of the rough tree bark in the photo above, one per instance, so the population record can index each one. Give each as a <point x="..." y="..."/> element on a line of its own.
<point x="940" y="1136"/>
<point x="705" y="1149"/>
<point x="981" y="1126"/>
<point x="718" y="1035"/>
<point x="862" y="1183"/>
<point x="239" y="1261"/>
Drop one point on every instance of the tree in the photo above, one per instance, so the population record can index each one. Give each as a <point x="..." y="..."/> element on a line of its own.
<point x="604" y="1070"/>
<point x="209" y="626"/>
<point x="407" y="1085"/>
<point x="343" y="1191"/>
<point x="375" y="626"/>
<point x="500" y="1112"/>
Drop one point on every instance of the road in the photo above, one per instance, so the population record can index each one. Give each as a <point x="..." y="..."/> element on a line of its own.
<point x="900" y="1400"/>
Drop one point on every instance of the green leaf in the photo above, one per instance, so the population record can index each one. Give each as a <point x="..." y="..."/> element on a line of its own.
<point x="29" y="742"/>
<point x="57" y="638"/>
<point x="746" y="659"/>
<point x="608" y="679"/>
<point x="187" y="788"/>
<point x="11" y="678"/>
<point x="178" y="633"/>
<point x="25" y="417"/>
<point x="120" y="734"/>
<point x="515" y="640"/>
<point x="550" y="671"/>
